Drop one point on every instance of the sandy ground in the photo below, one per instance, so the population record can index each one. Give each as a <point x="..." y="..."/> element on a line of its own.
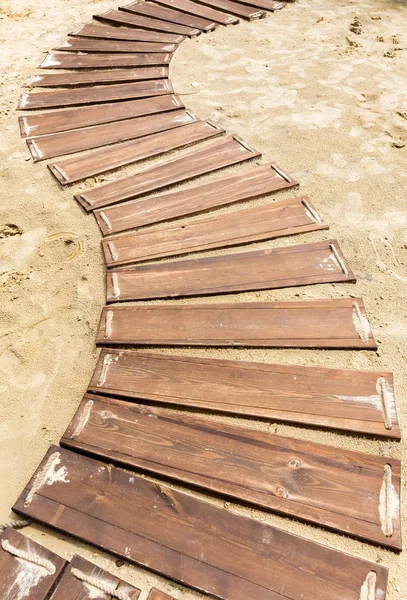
<point x="327" y="103"/>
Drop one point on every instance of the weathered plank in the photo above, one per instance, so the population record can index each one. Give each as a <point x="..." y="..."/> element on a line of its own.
<point x="260" y="181"/>
<point x="338" y="323"/>
<point x="332" y="487"/>
<point x="270" y="5"/>
<point x="346" y="400"/>
<point x="67" y="142"/>
<point x="27" y="570"/>
<point x="267" y="221"/>
<point x="78" y="44"/>
<point x="111" y="32"/>
<point x="150" y="9"/>
<point x="96" y="94"/>
<point x="83" y="580"/>
<point x="124" y="18"/>
<point x="104" y="159"/>
<point x="306" y="264"/>
<point x="55" y="121"/>
<point x="158" y="595"/>
<point x="220" y="153"/>
<point x="76" y="79"/>
<point x="197" y="543"/>
<point x="194" y="8"/>
<point x="103" y="61"/>
<point x="235" y="8"/>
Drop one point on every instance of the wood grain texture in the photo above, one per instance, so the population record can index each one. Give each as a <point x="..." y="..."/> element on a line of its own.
<point x="105" y="159"/>
<point x="346" y="400"/>
<point x="267" y="221"/>
<point x="55" y="121"/>
<point x="67" y="142"/>
<point x="111" y="32"/>
<point x="306" y="264"/>
<point x="71" y="587"/>
<point x="194" y="542"/>
<point x="332" y="487"/>
<point x="158" y="595"/>
<point x="194" y="8"/>
<point x="95" y="94"/>
<point x="82" y="78"/>
<point x="150" y="9"/>
<point x="270" y="5"/>
<point x="236" y="8"/>
<point x="227" y="151"/>
<point x="302" y="324"/>
<point x="77" y="44"/>
<point x="124" y="18"/>
<point x="60" y="60"/>
<point x="20" y="578"/>
<point x="256" y="182"/>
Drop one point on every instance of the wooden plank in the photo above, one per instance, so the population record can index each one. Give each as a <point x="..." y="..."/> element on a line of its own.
<point x="259" y="181"/>
<point x="235" y="8"/>
<point x="81" y="581"/>
<point x="182" y="537"/>
<point x="194" y="8"/>
<point x="330" y="323"/>
<point x="110" y="32"/>
<point x="96" y="94"/>
<point x="270" y="5"/>
<point x="332" y="487"/>
<point x="124" y="18"/>
<point x="67" y="142"/>
<point x="150" y="9"/>
<point x="103" y="61"/>
<point x="268" y="221"/>
<point x="78" y="44"/>
<point x="345" y="400"/>
<point x="22" y="578"/>
<point x="76" y="79"/>
<point x="105" y="159"/>
<point x="75" y="118"/>
<point x="305" y="264"/>
<point x="158" y="595"/>
<point x="220" y="153"/>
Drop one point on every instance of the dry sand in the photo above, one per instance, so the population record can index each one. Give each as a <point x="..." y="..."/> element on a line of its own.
<point x="328" y="104"/>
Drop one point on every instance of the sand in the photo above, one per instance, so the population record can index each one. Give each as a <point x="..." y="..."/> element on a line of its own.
<point x="328" y="104"/>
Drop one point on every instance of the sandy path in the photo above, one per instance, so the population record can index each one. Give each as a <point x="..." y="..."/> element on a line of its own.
<point x="294" y="86"/>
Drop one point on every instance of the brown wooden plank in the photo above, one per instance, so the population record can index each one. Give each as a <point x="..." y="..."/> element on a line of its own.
<point x="111" y="32"/>
<point x="81" y="579"/>
<point x="270" y="5"/>
<point x="103" y="61"/>
<point x="78" y="44"/>
<point x="346" y="400"/>
<point x="21" y="578"/>
<point x="189" y="540"/>
<point x="124" y="18"/>
<point x="332" y="487"/>
<point x="259" y="181"/>
<point x="150" y="9"/>
<point x="194" y="8"/>
<point x="220" y="153"/>
<point x="76" y="79"/>
<point x="330" y="323"/>
<point x="158" y="595"/>
<point x="67" y="142"/>
<point x="104" y="159"/>
<point x="235" y="8"/>
<point x="96" y="94"/>
<point x="55" y="121"/>
<point x="268" y="221"/>
<point x="305" y="264"/>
